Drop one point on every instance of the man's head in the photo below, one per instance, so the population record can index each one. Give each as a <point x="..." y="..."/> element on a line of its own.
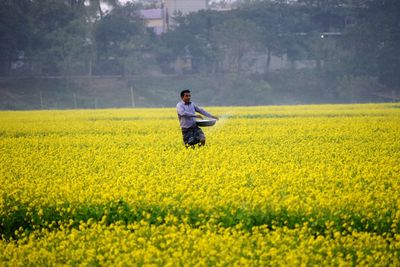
<point x="185" y="96"/>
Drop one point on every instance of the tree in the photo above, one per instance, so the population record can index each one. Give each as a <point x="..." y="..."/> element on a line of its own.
<point x="118" y="35"/>
<point x="15" y="31"/>
<point x="233" y="39"/>
<point x="95" y="6"/>
<point x="59" y="32"/>
<point x="373" y="42"/>
<point x="193" y="34"/>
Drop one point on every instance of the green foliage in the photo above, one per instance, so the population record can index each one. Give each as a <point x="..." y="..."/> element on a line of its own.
<point x="351" y="88"/>
<point x="373" y="42"/>
<point x="66" y="38"/>
<point x="14" y="31"/>
<point x="20" y="220"/>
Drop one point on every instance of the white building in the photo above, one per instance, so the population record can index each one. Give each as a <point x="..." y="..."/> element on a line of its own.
<point x="184" y="6"/>
<point x="161" y="19"/>
<point x="154" y="19"/>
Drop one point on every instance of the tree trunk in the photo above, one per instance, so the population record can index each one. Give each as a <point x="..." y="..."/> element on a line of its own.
<point x="268" y="63"/>
<point x="90" y="72"/>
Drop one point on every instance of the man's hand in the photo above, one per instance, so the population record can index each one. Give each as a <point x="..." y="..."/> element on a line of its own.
<point x="199" y="116"/>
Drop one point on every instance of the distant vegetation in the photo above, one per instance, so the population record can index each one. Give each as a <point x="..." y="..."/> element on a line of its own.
<point x="348" y="52"/>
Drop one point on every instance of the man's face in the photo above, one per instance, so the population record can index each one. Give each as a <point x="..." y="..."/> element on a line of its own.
<point x="186" y="97"/>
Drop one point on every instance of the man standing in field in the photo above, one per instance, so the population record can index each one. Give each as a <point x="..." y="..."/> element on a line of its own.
<point x="191" y="133"/>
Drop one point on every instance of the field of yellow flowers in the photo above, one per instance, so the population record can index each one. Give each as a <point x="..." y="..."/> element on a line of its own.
<point x="276" y="185"/>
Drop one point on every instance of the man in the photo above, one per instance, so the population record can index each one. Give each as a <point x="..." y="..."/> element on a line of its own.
<point x="191" y="133"/>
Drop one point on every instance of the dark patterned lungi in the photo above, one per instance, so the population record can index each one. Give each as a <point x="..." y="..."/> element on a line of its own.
<point x="192" y="135"/>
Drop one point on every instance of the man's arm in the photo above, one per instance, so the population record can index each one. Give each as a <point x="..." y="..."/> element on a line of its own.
<point x="182" y="112"/>
<point x="204" y="112"/>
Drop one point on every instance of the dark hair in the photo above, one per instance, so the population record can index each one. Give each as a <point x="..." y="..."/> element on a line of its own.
<point x="184" y="92"/>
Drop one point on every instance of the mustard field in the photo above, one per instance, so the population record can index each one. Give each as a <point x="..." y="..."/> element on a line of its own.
<point x="274" y="186"/>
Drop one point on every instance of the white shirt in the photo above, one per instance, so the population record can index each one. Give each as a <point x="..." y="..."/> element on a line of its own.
<point x="187" y="113"/>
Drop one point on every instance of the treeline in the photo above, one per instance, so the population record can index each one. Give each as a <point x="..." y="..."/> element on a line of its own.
<point x="70" y="37"/>
<point x="346" y="44"/>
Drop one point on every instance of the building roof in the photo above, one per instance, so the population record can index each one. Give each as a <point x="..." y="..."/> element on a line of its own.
<point x="156" y="13"/>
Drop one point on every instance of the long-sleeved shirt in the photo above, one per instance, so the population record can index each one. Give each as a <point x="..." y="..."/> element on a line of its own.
<point x="187" y="113"/>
